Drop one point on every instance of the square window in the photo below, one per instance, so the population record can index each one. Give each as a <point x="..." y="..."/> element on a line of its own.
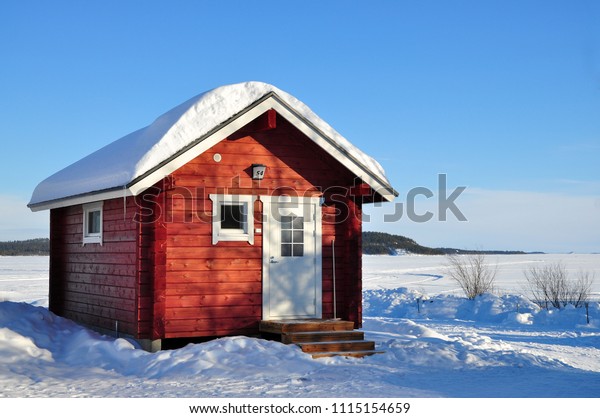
<point x="298" y="237"/>
<point x="286" y="250"/>
<point x="286" y="236"/>
<point x="232" y="218"/>
<point x="286" y="222"/>
<point x="298" y="250"/>
<point x="298" y="222"/>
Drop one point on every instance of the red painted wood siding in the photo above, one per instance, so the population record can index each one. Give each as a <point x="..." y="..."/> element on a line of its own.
<point x="151" y="263"/>
<point x="214" y="290"/>
<point x="94" y="284"/>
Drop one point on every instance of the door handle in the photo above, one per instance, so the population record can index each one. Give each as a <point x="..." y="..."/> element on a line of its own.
<point x="273" y="261"/>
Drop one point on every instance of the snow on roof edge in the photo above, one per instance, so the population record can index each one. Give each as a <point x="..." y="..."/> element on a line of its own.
<point x="123" y="161"/>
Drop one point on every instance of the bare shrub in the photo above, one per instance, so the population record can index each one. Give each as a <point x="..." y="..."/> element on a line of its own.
<point x="580" y="289"/>
<point x="474" y="276"/>
<point x="551" y="286"/>
<point x="547" y="284"/>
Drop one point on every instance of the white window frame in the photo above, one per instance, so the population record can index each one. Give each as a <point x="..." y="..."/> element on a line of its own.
<point x="92" y="237"/>
<point x="246" y="233"/>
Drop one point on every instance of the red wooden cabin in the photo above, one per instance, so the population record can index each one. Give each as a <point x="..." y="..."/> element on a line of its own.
<point x="172" y="232"/>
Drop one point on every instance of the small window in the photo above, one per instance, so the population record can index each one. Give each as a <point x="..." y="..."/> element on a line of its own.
<point x="93" y="220"/>
<point x="292" y="236"/>
<point x="92" y="223"/>
<point x="233" y="218"/>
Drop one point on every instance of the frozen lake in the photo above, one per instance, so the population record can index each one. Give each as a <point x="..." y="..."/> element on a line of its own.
<point x="25" y="279"/>
<point x="428" y="273"/>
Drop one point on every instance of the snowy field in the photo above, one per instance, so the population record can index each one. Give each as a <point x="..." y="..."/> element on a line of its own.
<point x="436" y="343"/>
<point x="428" y="273"/>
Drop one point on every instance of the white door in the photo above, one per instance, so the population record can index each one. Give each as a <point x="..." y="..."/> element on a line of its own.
<point x="292" y="258"/>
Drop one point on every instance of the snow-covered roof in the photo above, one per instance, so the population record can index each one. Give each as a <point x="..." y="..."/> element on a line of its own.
<point x="135" y="162"/>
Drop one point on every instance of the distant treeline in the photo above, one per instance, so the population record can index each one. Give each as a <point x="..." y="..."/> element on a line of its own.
<point x="383" y="243"/>
<point x="37" y="246"/>
<point x="373" y="243"/>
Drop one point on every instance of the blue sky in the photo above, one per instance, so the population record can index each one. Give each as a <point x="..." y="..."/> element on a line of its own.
<point x="502" y="96"/>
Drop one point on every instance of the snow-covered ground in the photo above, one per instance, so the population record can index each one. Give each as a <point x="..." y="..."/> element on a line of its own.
<point x="428" y="273"/>
<point x="437" y="344"/>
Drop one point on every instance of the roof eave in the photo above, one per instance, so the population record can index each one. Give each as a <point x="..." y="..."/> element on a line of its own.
<point x="95" y="196"/>
<point x="218" y="133"/>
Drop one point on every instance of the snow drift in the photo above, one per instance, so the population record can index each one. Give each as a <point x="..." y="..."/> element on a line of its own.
<point x="426" y="354"/>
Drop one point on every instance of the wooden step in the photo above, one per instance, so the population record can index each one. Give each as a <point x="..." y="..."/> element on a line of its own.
<point x="289" y="326"/>
<point x="358" y="354"/>
<point x="337" y="346"/>
<point x="320" y="336"/>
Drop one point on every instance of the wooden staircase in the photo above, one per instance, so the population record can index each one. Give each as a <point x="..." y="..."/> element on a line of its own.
<point x="321" y="337"/>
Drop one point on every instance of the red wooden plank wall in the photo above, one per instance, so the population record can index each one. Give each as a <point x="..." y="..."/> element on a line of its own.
<point x="95" y="284"/>
<point x="151" y="260"/>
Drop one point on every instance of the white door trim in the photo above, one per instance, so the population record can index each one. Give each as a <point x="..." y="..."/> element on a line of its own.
<point x="318" y="272"/>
